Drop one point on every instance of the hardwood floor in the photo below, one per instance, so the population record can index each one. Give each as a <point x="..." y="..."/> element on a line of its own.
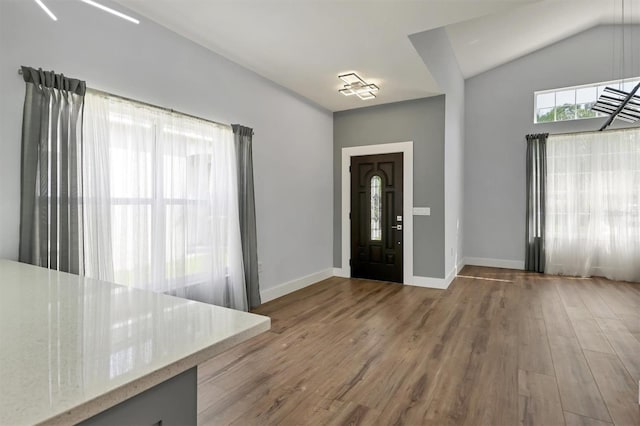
<point x="499" y="347"/>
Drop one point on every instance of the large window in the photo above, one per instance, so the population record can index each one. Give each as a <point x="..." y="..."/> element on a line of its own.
<point x="593" y="204"/>
<point x="574" y="103"/>
<point x="161" y="201"/>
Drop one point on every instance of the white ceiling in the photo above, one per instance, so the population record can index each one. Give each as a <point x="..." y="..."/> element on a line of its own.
<point x="489" y="41"/>
<point x="304" y="44"/>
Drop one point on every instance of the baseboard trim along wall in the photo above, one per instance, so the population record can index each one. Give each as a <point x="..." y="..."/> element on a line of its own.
<point x="427" y="282"/>
<point x="494" y="263"/>
<point x="342" y="273"/>
<point x="299" y="283"/>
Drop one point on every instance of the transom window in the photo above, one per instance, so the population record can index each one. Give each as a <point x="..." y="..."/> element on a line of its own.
<point x="574" y="103"/>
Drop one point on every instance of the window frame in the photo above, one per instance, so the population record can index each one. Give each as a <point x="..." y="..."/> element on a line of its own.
<point x="615" y="83"/>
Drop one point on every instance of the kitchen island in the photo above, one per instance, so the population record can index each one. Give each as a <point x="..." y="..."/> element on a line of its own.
<point x="74" y="349"/>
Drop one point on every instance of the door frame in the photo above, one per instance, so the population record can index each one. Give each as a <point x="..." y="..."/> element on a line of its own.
<point x="406" y="148"/>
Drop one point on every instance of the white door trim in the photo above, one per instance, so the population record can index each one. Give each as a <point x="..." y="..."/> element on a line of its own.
<point x="406" y="148"/>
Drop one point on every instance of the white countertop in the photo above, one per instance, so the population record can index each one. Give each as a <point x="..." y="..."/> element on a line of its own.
<point x="71" y="347"/>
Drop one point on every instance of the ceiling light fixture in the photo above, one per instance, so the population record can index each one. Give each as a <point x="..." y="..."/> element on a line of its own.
<point x="46" y="9"/>
<point x="91" y="3"/>
<point x="619" y="104"/>
<point x="111" y="11"/>
<point x="354" y="85"/>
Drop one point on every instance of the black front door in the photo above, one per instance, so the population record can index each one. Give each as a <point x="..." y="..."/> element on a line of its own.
<point x="376" y="217"/>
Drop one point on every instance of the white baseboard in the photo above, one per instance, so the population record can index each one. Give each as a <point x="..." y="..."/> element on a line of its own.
<point x="289" y="287"/>
<point x="441" y="283"/>
<point x="428" y="282"/>
<point x="417" y="281"/>
<point x="342" y="273"/>
<point x="451" y="276"/>
<point x="494" y="263"/>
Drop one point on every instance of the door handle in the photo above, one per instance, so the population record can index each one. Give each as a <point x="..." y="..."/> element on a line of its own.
<point x="397" y="227"/>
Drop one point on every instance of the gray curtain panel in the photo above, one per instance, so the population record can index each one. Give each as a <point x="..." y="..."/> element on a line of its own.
<point x="536" y="193"/>
<point x="51" y="180"/>
<point x="247" y="207"/>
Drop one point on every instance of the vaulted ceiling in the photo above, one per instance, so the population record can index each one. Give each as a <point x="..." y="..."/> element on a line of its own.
<point x="304" y="44"/>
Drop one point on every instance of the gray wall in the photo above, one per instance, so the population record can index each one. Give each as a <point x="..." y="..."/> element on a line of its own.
<point x="435" y="49"/>
<point x="293" y="141"/>
<point x="499" y="113"/>
<point x="420" y="121"/>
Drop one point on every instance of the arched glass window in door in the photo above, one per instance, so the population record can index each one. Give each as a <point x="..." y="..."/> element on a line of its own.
<point x="376" y="208"/>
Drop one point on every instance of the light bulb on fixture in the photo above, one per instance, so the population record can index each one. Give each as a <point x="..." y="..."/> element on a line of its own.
<point x="111" y="11"/>
<point x="91" y="3"/>
<point x="46" y="9"/>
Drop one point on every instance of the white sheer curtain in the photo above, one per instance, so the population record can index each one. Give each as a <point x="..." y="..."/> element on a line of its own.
<point x="593" y="204"/>
<point x="164" y="213"/>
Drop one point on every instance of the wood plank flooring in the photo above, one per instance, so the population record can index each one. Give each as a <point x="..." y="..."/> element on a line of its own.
<point x="498" y="347"/>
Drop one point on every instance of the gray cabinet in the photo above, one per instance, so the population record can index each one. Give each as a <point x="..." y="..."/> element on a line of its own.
<point x="171" y="403"/>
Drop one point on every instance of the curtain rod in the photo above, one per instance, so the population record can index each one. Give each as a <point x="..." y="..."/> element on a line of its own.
<point x="592" y="131"/>
<point x="173" y="111"/>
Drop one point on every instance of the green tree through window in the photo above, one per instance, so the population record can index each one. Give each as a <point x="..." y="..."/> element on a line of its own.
<point x="574" y="103"/>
